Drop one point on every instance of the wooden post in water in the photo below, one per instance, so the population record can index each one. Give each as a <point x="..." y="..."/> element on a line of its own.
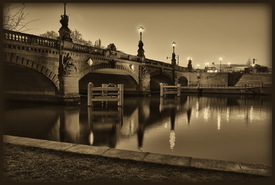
<point x="120" y="94"/>
<point x="179" y="89"/>
<point x="161" y="89"/>
<point x="89" y="98"/>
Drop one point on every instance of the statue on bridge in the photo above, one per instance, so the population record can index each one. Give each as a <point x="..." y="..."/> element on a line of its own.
<point x="64" y="21"/>
<point x="64" y="31"/>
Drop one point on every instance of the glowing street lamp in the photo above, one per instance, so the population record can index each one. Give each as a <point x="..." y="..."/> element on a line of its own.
<point x="140" y="45"/>
<point x="173" y="54"/>
<point x="173" y="45"/>
<point x="140" y="29"/>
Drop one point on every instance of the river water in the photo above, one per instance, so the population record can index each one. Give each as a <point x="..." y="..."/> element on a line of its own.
<point x="223" y="127"/>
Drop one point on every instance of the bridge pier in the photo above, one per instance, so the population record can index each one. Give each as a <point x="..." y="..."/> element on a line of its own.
<point x="144" y="80"/>
<point x="68" y="80"/>
<point x="69" y="90"/>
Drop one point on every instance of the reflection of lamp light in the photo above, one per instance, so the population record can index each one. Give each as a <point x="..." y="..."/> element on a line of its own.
<point x="251" y="114"/>
<point x="227" y="114"/>
<point x="197" y="109"/>
<point x="206" y="114"/>
<point x="172" y="139"/>
<point x="219" y="121"/>
<point x="91" y="138"/>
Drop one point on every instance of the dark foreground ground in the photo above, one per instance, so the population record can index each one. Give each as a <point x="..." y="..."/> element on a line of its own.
<point x="27" y="164"/>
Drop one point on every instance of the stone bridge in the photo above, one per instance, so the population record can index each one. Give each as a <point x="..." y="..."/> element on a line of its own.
<point x="40" y="67"/>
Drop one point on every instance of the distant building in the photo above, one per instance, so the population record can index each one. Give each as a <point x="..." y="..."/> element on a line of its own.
<point x="214" y="68"/>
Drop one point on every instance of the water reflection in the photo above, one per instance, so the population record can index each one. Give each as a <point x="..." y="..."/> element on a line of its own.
<point x="188" y="125"/>
<point x="105" y="123"/>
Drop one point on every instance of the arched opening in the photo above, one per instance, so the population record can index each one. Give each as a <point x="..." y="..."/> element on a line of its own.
<point x="183" y="81"/>
<point x="104" y="76"/>
<point x="23" y="80"/>
<point x="156" y="80"/>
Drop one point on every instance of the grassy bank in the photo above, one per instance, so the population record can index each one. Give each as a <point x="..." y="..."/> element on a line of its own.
<point x="28" y="164"/>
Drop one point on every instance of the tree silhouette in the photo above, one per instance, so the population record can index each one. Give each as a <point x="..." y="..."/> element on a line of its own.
<point x="15" y="17"/>
<point x="75" y="35"/>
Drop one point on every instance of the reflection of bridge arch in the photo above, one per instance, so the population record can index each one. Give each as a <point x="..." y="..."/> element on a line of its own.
<point x="157" y="78"/>
<point x="93" y="68"/>
<point x="183" y="81"/>
<point x="49" y="74"/>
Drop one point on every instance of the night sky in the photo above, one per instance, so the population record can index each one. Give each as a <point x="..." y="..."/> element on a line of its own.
<point x="205" y="32"/>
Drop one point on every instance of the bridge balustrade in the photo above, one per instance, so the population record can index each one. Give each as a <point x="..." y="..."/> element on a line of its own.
<point x="30" y="39"/>
<point x="79" y="47"/>
<point x="53" y="43"/>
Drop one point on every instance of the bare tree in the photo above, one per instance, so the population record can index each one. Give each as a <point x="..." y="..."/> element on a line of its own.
<point x="50" y="34"/>
<point x="15" y="18"/>
<point x="75" y="35"/>
<point x="77" y="38"/>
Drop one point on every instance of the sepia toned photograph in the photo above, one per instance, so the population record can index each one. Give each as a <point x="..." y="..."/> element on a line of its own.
<point x="137" y="92"/>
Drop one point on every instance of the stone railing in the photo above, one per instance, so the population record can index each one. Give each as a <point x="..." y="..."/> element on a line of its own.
<point x="30" y="39"/>
<point x="79" y="47"/>
<point x="163" y="64"/>
<point x="42" y="41"/>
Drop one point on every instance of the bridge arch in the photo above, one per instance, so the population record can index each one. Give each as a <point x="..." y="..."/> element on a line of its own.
<point x="26" y="81"/>
<point x="21" y="61"/>
<point x="183" y="81"/>
<point x="159" y="77"/>
<point x="105" y="73"/>
<point x="94" y="68"/>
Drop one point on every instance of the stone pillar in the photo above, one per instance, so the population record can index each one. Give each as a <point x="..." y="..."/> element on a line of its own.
<point x="141" y="51"/>
<point x="68" y="77"/>
<point x="144" y="80"/>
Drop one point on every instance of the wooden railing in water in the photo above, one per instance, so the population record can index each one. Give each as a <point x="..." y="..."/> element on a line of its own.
<point x="105" y="93"/>
<point x="169" y="89"/>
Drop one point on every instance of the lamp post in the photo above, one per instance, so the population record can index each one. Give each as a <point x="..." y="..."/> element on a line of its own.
<point x="189" y="64"/>
<point x="140" y="45"/>
<point x="220" y="64"/>
<point x="173" y="54"/>
<point x="174" y="62"/>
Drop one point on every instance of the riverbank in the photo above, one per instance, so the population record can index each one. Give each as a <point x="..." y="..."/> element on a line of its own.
<point x="25" y="162"/>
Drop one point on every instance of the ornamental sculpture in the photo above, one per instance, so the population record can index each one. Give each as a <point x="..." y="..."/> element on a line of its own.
<point x="144" y="70"/>
<point x="69" y="67"/>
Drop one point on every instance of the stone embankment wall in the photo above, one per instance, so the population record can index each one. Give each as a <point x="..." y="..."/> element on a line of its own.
<point x="230" y="79"/>
<point x="208" y="79"/>
<point x="256" y="79"/>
